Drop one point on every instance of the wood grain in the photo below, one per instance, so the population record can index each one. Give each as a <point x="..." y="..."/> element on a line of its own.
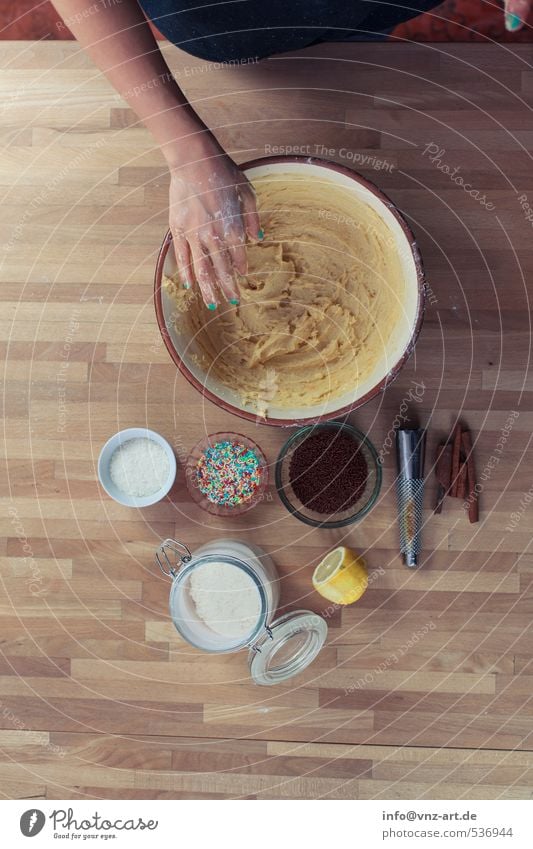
<point x="424" y="688"/>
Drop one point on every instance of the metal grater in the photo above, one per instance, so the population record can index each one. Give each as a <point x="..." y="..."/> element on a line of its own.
<point x="410" y="447"/>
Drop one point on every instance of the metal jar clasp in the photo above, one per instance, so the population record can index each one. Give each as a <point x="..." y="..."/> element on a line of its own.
<point x="270" y="635"/>
<point x="174" y="555"/>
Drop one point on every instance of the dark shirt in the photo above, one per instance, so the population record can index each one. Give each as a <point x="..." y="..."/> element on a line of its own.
<point x="237" y="30"/>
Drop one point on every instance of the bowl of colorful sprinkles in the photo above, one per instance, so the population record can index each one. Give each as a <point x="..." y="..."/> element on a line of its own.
<point x="226" y="474"/>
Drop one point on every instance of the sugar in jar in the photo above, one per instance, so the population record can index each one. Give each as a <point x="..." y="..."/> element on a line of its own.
<point x="224" y="598"/>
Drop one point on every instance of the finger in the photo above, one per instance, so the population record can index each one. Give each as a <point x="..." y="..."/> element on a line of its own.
<point x="183" y="260"/>
<point x="516" y="13"/>
<point x="205" y="274"/>
<point x="221" y="259"/>
<point x="235" y="241"/>
<point x="249" y="212"/>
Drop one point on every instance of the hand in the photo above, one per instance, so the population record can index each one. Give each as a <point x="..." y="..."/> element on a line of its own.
<point x="212" y="209"/>
<point x="516" y="14"/>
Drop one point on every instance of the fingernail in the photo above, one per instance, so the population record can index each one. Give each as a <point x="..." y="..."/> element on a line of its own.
<point x="186" y="285"/>
<point x="235" y="302"/>
<point x="211" y="306"/>
<point x="260" y="233"/>
<point x="512" y="21"/>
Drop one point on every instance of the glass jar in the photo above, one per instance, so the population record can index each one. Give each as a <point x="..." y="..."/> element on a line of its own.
<point x="278" y="648"/>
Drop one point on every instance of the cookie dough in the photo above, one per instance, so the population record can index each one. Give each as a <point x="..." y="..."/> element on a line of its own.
<point x="323" y="293"/>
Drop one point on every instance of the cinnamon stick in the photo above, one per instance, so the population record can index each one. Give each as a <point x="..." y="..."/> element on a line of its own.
<point x="439" y="501"/>
<point x="456" y="454"/>
<point x="461" y="486"/>
<point x="443" y="473"/>
<point x="473" y="506"/>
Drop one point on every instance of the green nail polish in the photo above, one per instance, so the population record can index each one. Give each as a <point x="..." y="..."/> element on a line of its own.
<point x="512" y="21"/>
<point x="211" y="306"/>
<point x="260" y="233"/>
<point x="186" y="285"/>
<point x="235" y="302"/>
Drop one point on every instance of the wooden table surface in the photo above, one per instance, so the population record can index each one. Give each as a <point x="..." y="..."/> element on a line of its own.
<point x="424" y="688"/>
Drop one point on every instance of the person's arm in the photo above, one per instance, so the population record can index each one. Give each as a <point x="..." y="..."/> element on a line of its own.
<point x="212" y="204"/>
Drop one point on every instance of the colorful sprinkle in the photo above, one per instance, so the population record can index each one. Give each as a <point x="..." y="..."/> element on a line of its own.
<point x="228" y="473"/>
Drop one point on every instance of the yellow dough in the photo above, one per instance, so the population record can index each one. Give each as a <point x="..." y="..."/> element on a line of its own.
<point x="323" y="293"/>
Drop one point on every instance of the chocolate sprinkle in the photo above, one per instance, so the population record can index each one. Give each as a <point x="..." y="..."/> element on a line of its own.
<point x="328" y="471"/>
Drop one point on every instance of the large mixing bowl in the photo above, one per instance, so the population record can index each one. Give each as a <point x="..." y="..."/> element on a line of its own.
<point x="184" y="351"/>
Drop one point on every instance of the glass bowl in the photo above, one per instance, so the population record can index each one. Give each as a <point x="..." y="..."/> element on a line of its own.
<point x="201" y="498"/>
<point x="356" y="511"/>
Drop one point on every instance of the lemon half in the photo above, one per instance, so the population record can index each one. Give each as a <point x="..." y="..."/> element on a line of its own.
<point x="341" y="576"/>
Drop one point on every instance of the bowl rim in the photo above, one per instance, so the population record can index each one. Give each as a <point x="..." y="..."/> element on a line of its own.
<point x="119" y="438"/>
<point x="341" y="523"/>
<point x="384" y="382"/>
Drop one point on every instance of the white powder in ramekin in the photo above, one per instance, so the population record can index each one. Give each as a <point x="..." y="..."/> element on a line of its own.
<point x="226" y="598"/>
<point x="139" y="467"/>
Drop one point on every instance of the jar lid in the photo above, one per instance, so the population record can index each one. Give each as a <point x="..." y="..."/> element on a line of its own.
<point x="287" y="647"/>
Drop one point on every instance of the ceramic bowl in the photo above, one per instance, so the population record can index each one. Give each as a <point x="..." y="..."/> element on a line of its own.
<point x="183" y="349"/>
<point x="104" y="460"/>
